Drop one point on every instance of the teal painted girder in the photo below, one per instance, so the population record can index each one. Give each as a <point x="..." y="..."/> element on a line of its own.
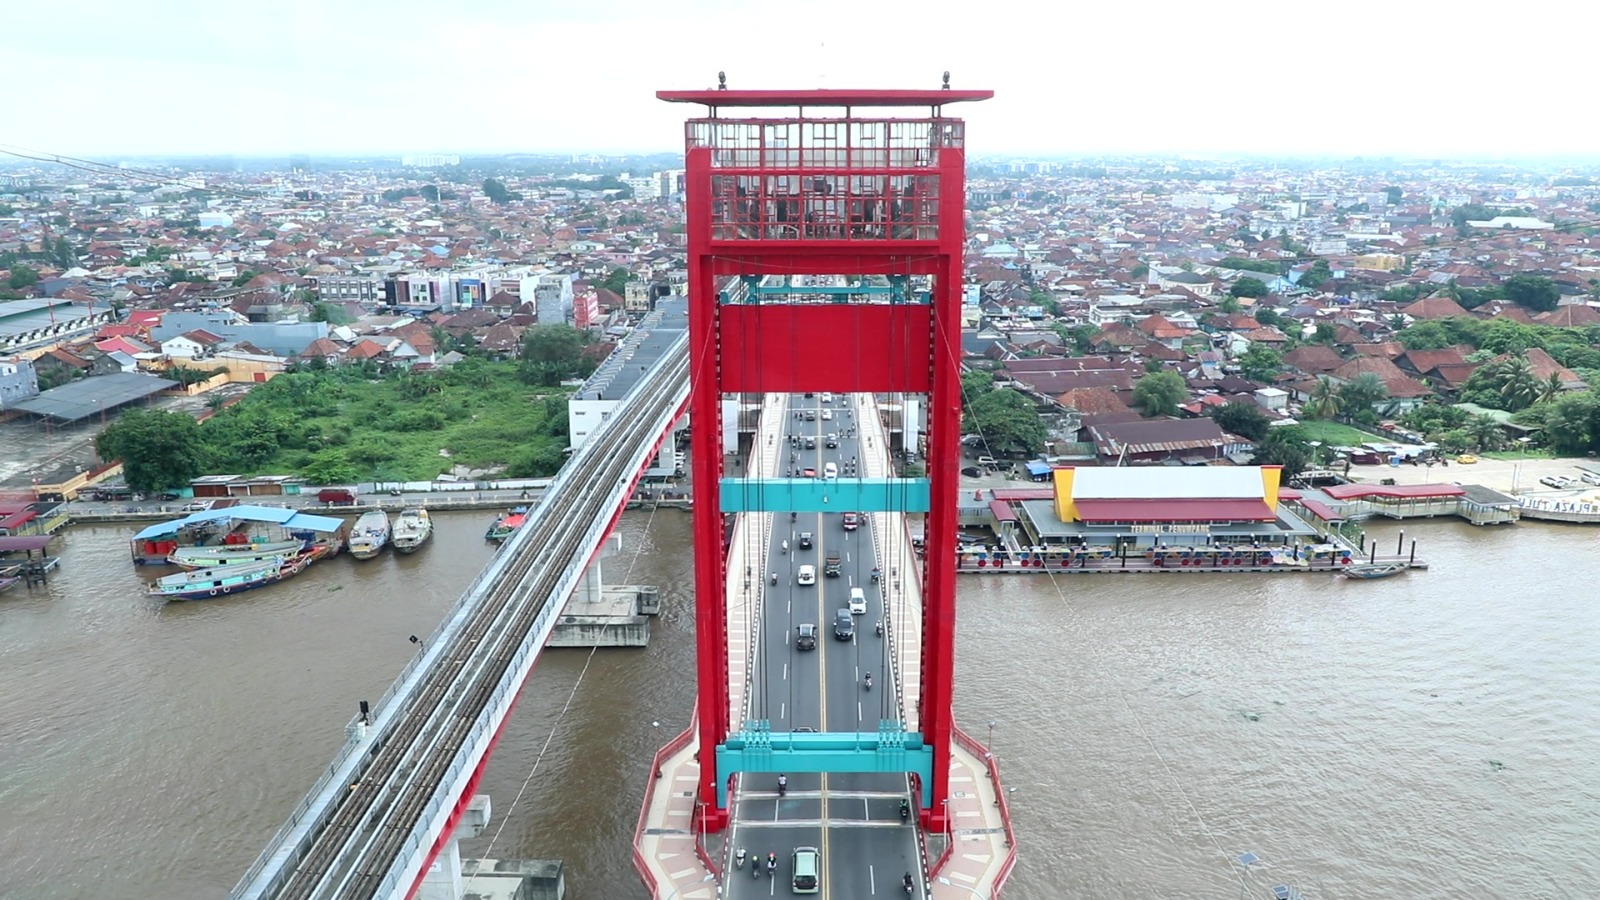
<point x="757" y="748"/>
<point x="822" y="495"/>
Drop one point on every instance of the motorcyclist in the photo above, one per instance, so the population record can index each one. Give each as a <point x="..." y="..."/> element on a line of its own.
<point x="785" y="545"/>
<point x="905" y="809"/>
<point x="880" y="628"/>
<point x="783" y="785"/>
<point x="738" y="859"/>
<point x="793" y="516"/>
<point x="772" y="863"/>
<point x="909" y="883"/>
<point x="868" y="681"/>
<point x="774" y="578"/>
<point x="876" y="574"/>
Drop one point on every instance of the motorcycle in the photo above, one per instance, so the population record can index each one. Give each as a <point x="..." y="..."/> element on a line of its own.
<point x="880" y="628"/>
<point x="772" y="864"/>
<point x="738" y="859"/>
<point x="774" y="579"/>
<point x="875" y="576"/>
<point x="905" y="810"/>
<point x="783" y="785"/>
<point x="868" y="681"/>
<point x="909" y="884"/>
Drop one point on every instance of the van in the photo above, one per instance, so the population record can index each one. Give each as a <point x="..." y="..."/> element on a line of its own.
<point x="806" y="865"/>
<point x="807" y="575"/>
<point x="830" y="470"/>
<point x="335" y="495"/>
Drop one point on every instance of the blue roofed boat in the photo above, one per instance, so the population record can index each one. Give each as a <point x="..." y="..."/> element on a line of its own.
<point x="239" y="526"/>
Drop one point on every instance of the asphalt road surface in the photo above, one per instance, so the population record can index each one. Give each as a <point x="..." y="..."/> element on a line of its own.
<point x="853" y="819"/>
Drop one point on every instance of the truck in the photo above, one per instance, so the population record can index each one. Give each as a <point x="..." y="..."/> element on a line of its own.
<point x="831" y="566"/>
<point x="335" y="496"/>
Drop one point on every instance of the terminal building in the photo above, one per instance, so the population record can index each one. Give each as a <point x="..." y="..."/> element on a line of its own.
<point x="1186" y="515"/>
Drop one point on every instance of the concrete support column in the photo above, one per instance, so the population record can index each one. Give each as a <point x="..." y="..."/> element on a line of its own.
<point x="443" y="880"/>
<point x="592" y="588"/>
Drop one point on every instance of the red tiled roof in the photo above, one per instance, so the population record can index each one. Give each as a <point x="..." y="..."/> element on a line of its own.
<point x="1002" y="511"/>
<point x="1175" y="510"/>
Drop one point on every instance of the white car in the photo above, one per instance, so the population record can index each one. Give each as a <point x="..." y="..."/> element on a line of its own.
<point x="830" y="470"/>
<point x="1589" y="478"/>
<point x="827" y="415"/>
<point x="807" y="575"/>
<point x="858" y="602"/>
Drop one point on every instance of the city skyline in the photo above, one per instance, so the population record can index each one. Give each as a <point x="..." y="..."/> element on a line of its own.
<point x="365" y="79"/>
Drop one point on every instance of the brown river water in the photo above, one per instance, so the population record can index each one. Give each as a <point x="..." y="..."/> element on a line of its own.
<point x="1433" y="735"/>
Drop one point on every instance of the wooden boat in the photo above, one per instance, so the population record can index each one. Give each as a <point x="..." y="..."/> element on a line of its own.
<point x="370" y="534"/>
<point x="219" y="581"/>
<point x="234" y="554"/>
<point x="506" y="524"/>
<point x="412" y="529"/>
<point x="1374" y="569"/>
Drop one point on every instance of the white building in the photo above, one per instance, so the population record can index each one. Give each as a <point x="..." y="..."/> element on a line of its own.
<point x="215" y="219"/>
<point x="429" y="160"/>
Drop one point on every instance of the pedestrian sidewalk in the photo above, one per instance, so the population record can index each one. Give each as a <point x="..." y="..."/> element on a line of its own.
<point x="982" y="851"/>
<point x="665" y="842"/>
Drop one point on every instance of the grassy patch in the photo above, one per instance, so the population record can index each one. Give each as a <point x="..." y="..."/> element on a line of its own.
<point x="1333" y="434"/>
<point x="353" y="425"/>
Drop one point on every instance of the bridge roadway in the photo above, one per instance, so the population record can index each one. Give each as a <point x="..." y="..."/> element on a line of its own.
<point x="369" y="827"/>
<point x="853" y="819"/>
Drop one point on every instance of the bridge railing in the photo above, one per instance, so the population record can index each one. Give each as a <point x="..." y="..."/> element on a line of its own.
<point x="472" y="750"/>
<point x="351" y="756"/>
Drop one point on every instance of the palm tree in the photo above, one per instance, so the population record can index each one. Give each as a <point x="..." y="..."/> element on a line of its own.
<point x="1486" y="433"/>
<point x="1363" y="391"/>
<point x="1325" y="402"/>
<point x="1549" y="389"/>
<point x="1519" y="387"/>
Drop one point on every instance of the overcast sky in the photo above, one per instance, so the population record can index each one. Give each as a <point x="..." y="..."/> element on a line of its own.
<point x="1403" y="77"/>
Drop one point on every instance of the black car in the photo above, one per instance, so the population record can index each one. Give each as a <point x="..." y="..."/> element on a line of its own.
<point x="805" y="637"/>
<point x="844" y="625"/>
<point x="805" y="540"/>
<point x="811" y="415"/>
<point x="832" y="441"/>
<point x="811" y="443"/>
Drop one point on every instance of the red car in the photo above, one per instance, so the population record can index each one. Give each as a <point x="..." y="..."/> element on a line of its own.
<point x="808" y="472"/>
<point x="852" y="521"/>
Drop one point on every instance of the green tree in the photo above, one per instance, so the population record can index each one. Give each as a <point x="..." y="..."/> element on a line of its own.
<point x="616" y="281"/>
<point x="1078" y="337"/>
<point x="62" y="253"/>
<point x="1317" y="275"/>
<point x="1361" y="394"/>
<point x="430" y="193"/>
<point x="1282" y="448"/>
<point x="1486" y="433"/>
<point x="1007" y="420"/>
<point x="1571" y="423"/>
<point x="551" y="353"/>
<point x="1260" y="362"/>
<point x="1139" y="271"/>
<point x="1160" y="393"/>
<point x="1266" y="267"/>
<point x="975" y="384"/>
<point x="1533" y="292"/>
<point x="22" y="277"/>
<point x="243" y="278"/>
<point x="496" y="191"/>
<point x="1248" y="287"/>
<point x="1325" y="402"/>
<point x="1393" y="195"/>
<point x="1244" y="419"/>
<point x="330" y="466"/>
<point x="159" y="449"/>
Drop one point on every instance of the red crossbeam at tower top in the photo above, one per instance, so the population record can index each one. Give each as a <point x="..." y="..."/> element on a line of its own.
<point x="823" y="97"/>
